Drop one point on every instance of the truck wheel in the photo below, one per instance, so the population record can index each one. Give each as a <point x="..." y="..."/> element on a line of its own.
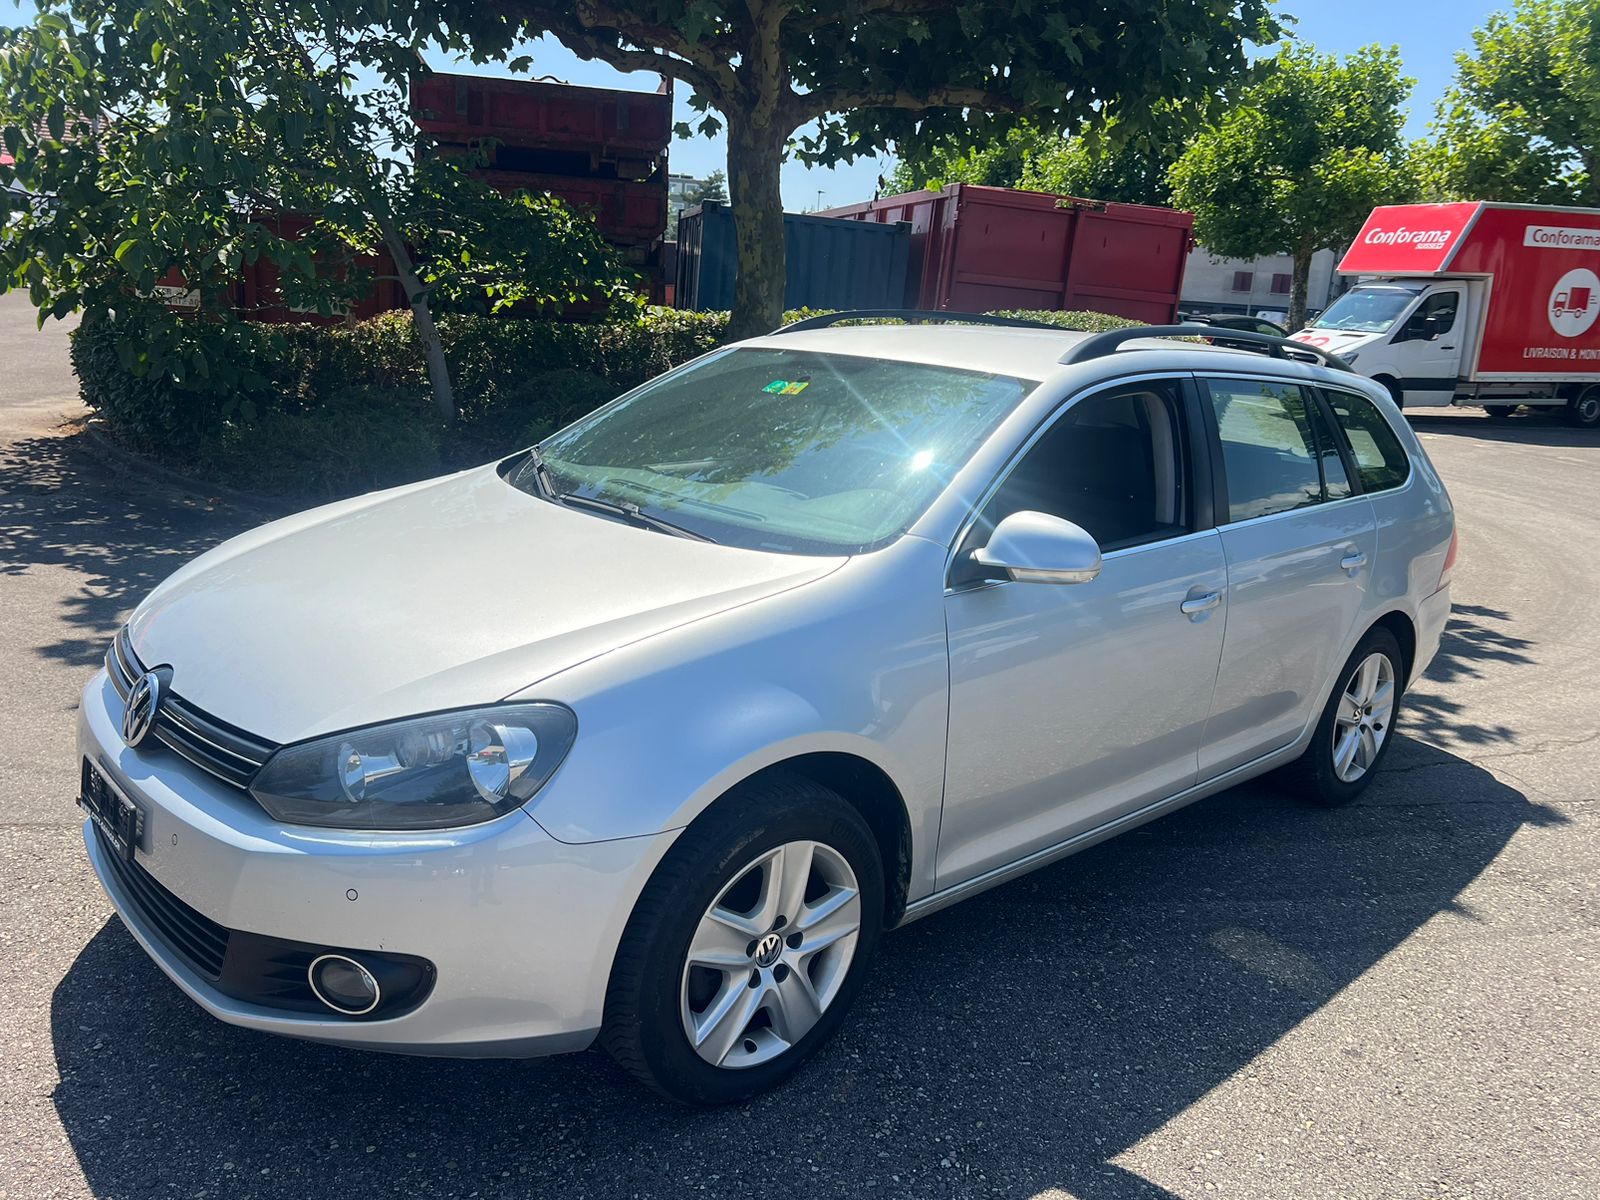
<point x="1583" y="410"/>
<point x="1393" y="388"/>
<point x="1499" y="412"/>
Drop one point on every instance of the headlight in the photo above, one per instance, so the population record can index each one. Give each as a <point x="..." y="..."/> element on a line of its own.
<point x="428" y="773"/>
<point x="1351" y="357"/>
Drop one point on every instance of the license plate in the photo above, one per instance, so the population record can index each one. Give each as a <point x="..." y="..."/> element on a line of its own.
<point x="119" y="818"/>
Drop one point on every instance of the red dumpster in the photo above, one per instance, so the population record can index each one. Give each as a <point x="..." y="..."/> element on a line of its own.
<point x="976" y="249"/>
<point x="628" y="131"/>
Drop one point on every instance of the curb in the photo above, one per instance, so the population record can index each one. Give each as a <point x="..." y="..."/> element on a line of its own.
<point x="130" y="462"/>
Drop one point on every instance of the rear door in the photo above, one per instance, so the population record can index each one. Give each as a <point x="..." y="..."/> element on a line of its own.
<point x="1300" y="545"/>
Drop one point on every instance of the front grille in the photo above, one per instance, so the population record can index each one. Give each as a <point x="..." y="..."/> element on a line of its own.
<point x="225" y="751"/>
<point x="195" y="938"/>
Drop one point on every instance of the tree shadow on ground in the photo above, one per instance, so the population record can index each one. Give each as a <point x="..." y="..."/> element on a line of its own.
<point x="59" y="508"/>
<point x="1477" y="640"/>
<point x="1020" y="1041"/>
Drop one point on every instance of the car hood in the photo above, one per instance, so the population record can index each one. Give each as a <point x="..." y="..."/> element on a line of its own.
<point x="1335" y="341"/>
<point x="453" y="592"/>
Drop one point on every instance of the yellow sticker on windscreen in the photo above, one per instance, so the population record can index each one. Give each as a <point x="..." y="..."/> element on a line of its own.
<point x="787" y="387"/>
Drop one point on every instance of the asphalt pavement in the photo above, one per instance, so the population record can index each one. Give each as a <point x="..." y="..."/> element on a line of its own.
<point x="1251" y="998"/>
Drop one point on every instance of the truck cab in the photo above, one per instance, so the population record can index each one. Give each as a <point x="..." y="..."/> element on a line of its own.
<point x="1404" y="333"/>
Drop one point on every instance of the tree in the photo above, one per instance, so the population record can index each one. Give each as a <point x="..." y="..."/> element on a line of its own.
<point x="1001" y="162"/>
<point x="1299" y="162"/>
<point x="1099" y="163"/>
<point x="713" y="187"/>
<point x="864" y="74"/>
<point x="170" y="135"/>
<point x="1522" y="120"/>
<point x="1101" y="166"/>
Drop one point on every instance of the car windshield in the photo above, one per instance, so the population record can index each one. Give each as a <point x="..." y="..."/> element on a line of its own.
<point x="784" y="450"/>
<point x="1365" y="310"/>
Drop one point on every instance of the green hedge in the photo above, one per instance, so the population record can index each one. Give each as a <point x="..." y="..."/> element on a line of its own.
<point x="320" y="412"/>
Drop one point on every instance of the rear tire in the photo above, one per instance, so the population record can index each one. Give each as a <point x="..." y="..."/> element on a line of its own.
<point x="1583" y="410"/>
<point x="693" y="961"/>
<point x="1355" y="731"/>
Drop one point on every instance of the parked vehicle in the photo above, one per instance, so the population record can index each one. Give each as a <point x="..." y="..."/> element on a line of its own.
<point x="1237" y="321"/>
<point x="983" y="249"/>
<point x="1474" y="303"/>
<point x="1240" y="321"/>
<point x="648" y="733"/>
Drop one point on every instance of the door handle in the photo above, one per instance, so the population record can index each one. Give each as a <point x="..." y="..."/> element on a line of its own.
<point x="1200" y="604"/>
<point x="1353" y="561"/>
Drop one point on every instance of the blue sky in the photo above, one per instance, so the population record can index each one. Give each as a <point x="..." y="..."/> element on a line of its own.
<point x="1428" y="32"/>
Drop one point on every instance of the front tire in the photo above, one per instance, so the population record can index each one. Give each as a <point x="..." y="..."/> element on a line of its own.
<point x="1500" y="412"/>
<point x="748" y="944"/>
<point x="1356" y="728"/>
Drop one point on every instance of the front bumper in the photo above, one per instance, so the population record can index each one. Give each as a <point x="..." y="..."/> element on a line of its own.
<point x="520" y="928"/>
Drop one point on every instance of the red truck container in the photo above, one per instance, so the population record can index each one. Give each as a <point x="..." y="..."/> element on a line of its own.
<point x="260" y="299"/>
<point x="625" y="133"/>
<point x="1474" y="303"/>
<point x="626" y="213"/>
<point x="977" y="249"/>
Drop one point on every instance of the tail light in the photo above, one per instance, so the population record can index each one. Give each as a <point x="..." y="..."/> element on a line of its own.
<point x="1450" y="558"/>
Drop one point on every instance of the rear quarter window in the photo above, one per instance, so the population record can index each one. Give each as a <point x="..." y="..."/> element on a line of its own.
<point x="1381" y="461"/>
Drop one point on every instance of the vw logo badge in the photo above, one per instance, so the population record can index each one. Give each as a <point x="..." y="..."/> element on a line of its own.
<point x="768" y="949"/>
<point x="140" y="715"/>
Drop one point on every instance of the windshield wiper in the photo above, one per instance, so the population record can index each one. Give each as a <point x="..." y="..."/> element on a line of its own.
<point x="629" y="512"/>
<point x="535" y="468"/>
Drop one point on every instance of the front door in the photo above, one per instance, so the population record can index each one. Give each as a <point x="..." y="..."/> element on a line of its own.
<point x="1300" y="547"/>
<point x="1427" y="348"/>
<point x="1071" y="705"/>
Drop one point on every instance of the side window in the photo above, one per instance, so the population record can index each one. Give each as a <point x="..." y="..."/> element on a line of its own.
<point x="1269" y="447"/>
<point x="1381" y="461"/>
<point x="1113" y="463"/>
<point x="1441" y="308"/>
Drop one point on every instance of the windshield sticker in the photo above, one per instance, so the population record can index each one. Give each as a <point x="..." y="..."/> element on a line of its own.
<point x="787" y="387"/>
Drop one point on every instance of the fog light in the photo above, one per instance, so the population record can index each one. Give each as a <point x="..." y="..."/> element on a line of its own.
<point x="344" y="985"/>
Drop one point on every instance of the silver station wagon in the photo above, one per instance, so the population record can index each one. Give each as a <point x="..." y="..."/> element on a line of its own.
<point x="646" y="735"/>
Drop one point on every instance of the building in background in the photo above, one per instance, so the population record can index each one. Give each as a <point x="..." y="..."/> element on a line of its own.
<point x="1259" y="286"/>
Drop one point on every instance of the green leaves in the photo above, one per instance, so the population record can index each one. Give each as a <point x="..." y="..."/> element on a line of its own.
<point x="1522" y="120"/>
<point x="1310" y="148"/>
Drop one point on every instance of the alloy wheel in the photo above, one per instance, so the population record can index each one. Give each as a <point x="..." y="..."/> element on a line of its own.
<point x="1362" y="722"/>
<point x="770" y="955"/>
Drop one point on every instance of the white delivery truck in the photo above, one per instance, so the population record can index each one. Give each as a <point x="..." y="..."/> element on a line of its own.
<point x="1475" y="303"/>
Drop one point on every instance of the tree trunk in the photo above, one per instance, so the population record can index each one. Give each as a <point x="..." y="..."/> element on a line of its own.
<point x="755" y="155"/>
<point x="444" y="393"/>
<point x="1298" y="288"/>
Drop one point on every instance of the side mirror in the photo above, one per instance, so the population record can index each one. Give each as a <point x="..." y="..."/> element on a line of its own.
<point x="1033" y="547"/>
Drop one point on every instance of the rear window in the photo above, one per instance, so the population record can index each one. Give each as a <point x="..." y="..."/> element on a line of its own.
<point x="1381" y="461"/>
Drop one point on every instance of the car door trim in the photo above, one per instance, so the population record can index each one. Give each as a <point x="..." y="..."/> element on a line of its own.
<point x="995" y="876"/>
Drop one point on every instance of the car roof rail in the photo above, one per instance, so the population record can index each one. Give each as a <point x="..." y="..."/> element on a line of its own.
<point x="1100" y="344"/>
<point x="914" y="316"/>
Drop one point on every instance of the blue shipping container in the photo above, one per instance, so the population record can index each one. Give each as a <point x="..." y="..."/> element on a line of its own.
<point x="832" y="262"/>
